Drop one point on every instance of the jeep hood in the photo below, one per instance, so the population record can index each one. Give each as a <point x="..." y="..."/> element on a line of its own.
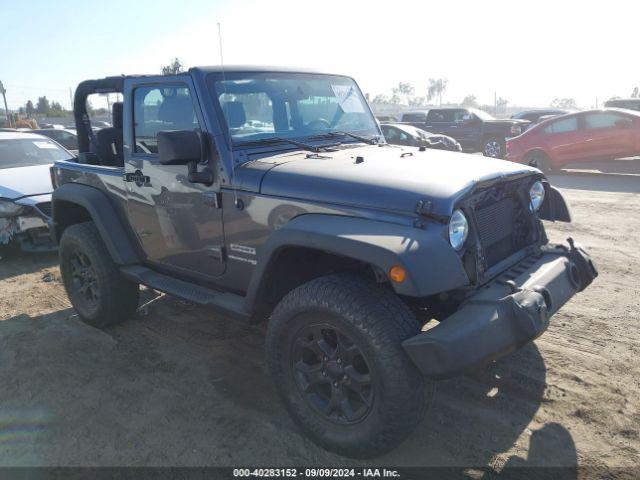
<point x="20" y="182"/>
<point x="388" y="177"/>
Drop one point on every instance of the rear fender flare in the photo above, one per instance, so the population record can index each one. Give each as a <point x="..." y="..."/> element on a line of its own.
<point x="102" y="213"/>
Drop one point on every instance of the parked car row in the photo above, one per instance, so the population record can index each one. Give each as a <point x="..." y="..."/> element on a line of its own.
<point x="475" y="130"/>
<point x="588" y="136"/>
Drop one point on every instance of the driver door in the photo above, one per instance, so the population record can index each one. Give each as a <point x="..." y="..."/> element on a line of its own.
<point x="178" y="223"/>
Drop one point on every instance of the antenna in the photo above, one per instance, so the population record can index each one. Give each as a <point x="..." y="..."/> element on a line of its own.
<point x="224" y="86"/>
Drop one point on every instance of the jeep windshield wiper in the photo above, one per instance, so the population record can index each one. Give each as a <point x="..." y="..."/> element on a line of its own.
<point x="271" y="140"/>
<point x="370" y="141"/>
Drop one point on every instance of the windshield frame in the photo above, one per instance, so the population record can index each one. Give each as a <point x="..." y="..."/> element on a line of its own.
<point x="213" y="78"/>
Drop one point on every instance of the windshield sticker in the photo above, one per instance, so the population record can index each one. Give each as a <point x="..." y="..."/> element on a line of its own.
<point x="45" y="145"/>
<point x="347" y="98"/>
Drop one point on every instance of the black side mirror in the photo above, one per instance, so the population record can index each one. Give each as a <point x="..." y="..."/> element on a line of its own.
<point x="179" y="147"/>
<point x="182" y="147"/>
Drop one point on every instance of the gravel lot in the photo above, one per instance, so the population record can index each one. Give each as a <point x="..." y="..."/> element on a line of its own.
<point x="179" y="385"/>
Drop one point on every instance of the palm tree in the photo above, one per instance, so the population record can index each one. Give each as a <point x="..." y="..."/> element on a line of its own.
<point x="436" y="89"/>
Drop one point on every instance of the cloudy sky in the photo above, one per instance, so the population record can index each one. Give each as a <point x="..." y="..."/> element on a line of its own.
<point x="527" y="52"/>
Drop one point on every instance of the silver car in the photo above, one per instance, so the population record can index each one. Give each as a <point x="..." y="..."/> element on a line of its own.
<point x="25" y="189"/>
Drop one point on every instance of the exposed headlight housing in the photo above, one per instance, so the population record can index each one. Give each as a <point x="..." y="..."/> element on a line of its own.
<point x="536" y="193"/>
<point x="9" y="209"/>
<point x="458" y="229"/>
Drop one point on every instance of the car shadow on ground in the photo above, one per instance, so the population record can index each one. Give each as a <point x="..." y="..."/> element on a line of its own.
<point x="13" y="262"/>
<point x="595" y="181"/>
<point x="184" y="386"/>
<point x="474" y="420"/>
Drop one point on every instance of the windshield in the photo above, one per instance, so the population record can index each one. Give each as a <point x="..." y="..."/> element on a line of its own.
<point x="24" y="152"/>
<point x="260" y="106"/>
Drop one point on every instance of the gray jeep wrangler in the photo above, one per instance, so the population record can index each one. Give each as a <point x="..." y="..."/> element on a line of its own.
<point x="271" y="194"/>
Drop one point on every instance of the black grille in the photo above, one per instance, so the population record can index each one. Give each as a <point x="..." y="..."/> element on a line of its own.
<point x="45" y="208"/>
<point x="496" y="227"/>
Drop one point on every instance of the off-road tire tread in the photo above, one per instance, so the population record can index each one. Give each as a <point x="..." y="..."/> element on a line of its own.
<point x="387" y="321"/>
<point x="119" y="296"/>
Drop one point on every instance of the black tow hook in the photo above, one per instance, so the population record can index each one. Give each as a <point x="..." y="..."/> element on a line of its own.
<point x="587" y="270"/>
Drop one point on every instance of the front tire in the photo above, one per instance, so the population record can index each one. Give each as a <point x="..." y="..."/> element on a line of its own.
<point x="494" y="147"/>
<point x="334" y="351"/>
<point x="97" y="290"/>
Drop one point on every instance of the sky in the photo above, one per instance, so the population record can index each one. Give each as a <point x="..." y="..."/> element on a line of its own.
<point x="526" y="52"/>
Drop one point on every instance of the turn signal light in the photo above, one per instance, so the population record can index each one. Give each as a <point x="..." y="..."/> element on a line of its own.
<point x="397" y="274"/>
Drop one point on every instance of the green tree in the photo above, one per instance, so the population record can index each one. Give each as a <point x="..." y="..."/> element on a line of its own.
<point x="404" y="91"/>
<point x="635" y="93"/>
<point x="501" y="104"/>
<point x="30" y="110"/>
<point x="380" y="98"/>
<point x="56" y="110"/>
<point x="436" y="88"/>
<point x="174" y="67"/>
<point x="416" y="101"/>
<point x="470" y="101"/>
<point x="43" y="106"/>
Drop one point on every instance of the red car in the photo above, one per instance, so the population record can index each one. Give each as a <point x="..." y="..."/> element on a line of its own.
<point x="589" y="136"/>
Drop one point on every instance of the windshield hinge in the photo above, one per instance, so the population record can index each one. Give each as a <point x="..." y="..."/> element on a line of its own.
<point x="423" y="207"/>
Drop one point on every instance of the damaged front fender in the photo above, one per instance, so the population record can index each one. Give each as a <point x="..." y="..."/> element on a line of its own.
<point x="554" y="208"/>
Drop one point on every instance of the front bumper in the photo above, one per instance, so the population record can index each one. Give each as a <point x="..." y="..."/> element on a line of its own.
<point x="504" y="315"/>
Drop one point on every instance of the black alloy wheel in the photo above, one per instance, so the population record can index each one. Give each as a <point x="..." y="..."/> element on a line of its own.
<point x="332" y="373"/>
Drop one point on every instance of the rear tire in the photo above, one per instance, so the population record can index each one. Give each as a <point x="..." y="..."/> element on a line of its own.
<point x="540" y="161"/>
<point x="494" y="147"/>
<point x="334" y="351"/>
<point x="97" y="290"/>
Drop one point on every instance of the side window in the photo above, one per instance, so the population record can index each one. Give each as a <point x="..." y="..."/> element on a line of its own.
<point x="160" y="108"/>
<point x="440" y="116"/>
<point x="391" y="133"/>
<point x="461" y="115"/>
<point x="413" y="117"/>
<point x="601" y="120"/>
<point x="562" y="126"/>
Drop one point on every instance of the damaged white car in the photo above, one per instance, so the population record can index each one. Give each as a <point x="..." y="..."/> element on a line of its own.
<point x="25" y="189"/>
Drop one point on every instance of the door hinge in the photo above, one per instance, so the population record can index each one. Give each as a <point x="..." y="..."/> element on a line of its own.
<point x="213" y="199"/>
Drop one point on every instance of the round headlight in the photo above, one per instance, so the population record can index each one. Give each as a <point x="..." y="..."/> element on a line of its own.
<point x="458" y="229"/>
<point x="536" y="192"/>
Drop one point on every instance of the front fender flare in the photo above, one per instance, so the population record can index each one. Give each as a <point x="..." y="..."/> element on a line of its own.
<point x="555" y="208"/>
<point x="432" y="265"/>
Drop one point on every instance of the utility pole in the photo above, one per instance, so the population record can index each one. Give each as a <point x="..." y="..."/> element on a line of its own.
<point x="4" y="97"/>
<point x="495" y="103"/>
<point x="71" y="99"/>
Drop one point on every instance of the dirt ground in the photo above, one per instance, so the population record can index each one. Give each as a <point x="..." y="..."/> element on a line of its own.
<point x="180" y="385"/>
